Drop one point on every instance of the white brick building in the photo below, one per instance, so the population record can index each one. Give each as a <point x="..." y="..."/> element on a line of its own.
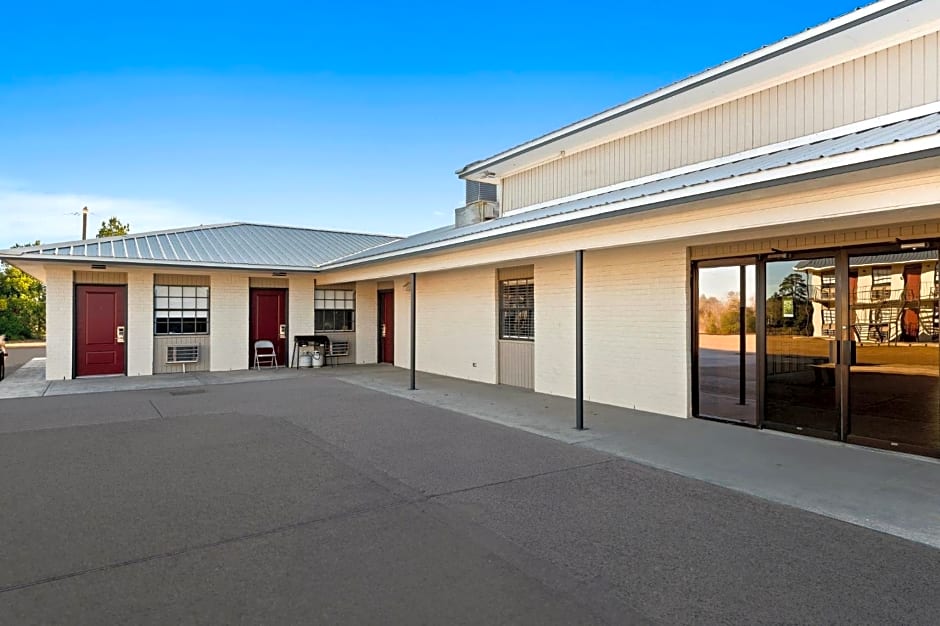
<point x="821" y="149"/>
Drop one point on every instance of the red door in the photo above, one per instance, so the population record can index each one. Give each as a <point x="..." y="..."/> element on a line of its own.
<point x="99" y="330"/>
<point x="387" y="327"/>
<point x="910" y="319"/>
<point x="267" y="319"/>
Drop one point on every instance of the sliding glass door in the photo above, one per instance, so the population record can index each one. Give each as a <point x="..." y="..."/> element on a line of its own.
<point x="894" y="380"/>
<point x="842" y="344"/>
<point x="726" y="341"/>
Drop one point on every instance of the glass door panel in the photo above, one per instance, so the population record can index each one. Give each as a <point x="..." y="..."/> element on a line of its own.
<point x="726" y="340"/>
<point x="801" y="391"/>
<point x="894" y="387"/>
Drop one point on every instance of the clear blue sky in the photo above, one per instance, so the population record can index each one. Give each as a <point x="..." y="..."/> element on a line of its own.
<point x="338" y="115"/>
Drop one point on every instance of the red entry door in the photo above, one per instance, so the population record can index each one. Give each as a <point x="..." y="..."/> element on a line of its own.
<point x="268" y="320"/>
<point x="99" y="330"/>
<point x="387" y="327"/>
<point x="910" y="319"/>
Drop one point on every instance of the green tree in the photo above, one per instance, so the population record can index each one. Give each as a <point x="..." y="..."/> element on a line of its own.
<point x="22" y="304"/>
<point x="113" y="227"/>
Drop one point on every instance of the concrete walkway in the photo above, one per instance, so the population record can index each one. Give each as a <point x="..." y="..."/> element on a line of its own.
<point x="29" y="381"/>
<point x="890" y="492"/>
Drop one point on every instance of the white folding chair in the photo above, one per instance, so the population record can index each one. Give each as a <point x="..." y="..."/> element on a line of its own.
<point x="264" y="351"/>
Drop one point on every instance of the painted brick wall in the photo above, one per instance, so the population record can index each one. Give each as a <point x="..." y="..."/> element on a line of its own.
<point x="554" y="325"/>
<point x="139" y="323"/>
<point x="636" y="328"/>
<point x="457" y="323"/>
<point x="59" y="303"/>
<point x="228" y="322"/>
<point x="367" y="348"/>
<point x="299" y="308"/>
<point x="402" y="321"/>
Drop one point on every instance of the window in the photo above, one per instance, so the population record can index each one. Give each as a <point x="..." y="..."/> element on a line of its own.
<point x="880" y="284"/>
<point x="881" y="276"/>
<point x="179" y="310"/>
<point x="517" y="309"/>
<point x="334" y="309"/>
<point x="828" y="291"/>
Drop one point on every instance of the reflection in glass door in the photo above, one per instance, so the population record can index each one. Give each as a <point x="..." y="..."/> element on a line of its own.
<point x="894" y="386"/>
<point x="801" y="374"/>
<point x="726" y="343"/>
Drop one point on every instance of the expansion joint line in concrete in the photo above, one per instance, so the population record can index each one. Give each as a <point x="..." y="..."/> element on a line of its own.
<point x="517" y="479"/>
<point x="204" y="546"/>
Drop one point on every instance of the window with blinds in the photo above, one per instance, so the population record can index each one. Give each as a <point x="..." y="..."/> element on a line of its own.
<point x="517" y="309"/>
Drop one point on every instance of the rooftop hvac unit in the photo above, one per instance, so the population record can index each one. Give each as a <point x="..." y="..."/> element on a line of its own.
<point x="477" y="191"/>
<point x="476" y="212"/>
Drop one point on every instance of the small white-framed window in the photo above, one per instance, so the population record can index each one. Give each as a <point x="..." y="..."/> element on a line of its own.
<point x="334" y="309"/>
<point x="180" y="310"/>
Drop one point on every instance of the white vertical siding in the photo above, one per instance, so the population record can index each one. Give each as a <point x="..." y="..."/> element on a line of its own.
<point x="897" y="78"/>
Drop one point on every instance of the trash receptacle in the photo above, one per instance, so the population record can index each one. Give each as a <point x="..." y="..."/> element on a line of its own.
<point x="317" y="357"/>
<point x="306" y="360"/>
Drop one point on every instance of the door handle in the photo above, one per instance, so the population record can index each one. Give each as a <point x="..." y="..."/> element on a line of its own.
<point x="282" y="331"/>
<point x="383" y="331"/>
<point x="120" y="334"/>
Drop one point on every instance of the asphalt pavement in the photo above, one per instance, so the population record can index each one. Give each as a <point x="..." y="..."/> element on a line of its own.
<point x="313" y="500"/>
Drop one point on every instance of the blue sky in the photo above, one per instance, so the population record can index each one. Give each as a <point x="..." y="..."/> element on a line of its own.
<point x="343" y="115"/>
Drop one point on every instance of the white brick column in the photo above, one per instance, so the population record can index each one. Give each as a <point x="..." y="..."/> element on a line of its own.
<point x="60" y="297"/>
<point x="299" y="309"/>
<point x="228" y="322"/>
<point x="367" y="318"/>
<point x="139" y="323"/>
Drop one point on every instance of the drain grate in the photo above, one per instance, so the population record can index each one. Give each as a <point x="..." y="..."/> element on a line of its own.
<point x="187" y="392"/>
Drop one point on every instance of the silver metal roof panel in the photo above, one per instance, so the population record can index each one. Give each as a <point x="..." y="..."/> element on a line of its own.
<point x="240" y="244"/>
<point x="898" y="131"/>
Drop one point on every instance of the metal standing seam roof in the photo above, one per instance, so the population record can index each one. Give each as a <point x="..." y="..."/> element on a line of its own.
<point x="239" y="244"/>
<point x="904" y="130"/>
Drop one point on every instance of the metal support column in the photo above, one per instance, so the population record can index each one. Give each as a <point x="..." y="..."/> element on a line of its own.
<point x="742" y="338"/>
<point x="579" y="338"/>
<point x="844" y="337"/>
<point x="760" y="302"/>
<point x="414" y="325"/>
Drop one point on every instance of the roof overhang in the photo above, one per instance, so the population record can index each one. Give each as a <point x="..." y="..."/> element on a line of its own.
<point x="9" y="257"/>
<point x="852" y="35"/>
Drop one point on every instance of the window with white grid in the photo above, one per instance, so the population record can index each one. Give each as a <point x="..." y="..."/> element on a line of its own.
<point x="517" y="309"/>
<point x="334" y="309"/>
<point x="180" y="310"/>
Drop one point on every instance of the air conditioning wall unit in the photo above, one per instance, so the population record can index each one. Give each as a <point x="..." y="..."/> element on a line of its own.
<point x="182" y="355"/>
